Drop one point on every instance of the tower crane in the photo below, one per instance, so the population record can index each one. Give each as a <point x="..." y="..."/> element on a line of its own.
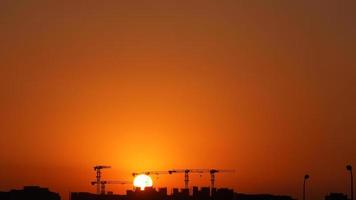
<point x="98" y="169"/>
<point x="211" y="171"/>
<point x="103" y="184"/>
<point x="186" y="174"/>
<point x="214" y="171"/>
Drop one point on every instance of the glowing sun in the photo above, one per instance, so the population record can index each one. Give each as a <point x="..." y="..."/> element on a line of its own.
<point x="142" y="181"/>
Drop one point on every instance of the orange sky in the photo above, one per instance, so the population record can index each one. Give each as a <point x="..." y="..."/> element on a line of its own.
<point x="265" y="88"/>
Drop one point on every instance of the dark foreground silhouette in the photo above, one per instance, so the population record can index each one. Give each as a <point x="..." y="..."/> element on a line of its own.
<point x="183" y="194"/>
<point x="204" y="193"/>
<point x="30" y="193"/>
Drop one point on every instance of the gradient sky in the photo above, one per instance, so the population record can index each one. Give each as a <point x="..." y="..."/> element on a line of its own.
<point x="263" y="87"/>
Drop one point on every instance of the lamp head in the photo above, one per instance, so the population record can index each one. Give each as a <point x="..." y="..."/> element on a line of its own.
<point x="306" y="176"/>
<point x="349" y="167"/>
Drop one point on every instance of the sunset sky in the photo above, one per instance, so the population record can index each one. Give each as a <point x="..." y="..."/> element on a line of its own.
<point x="267" y="88"/>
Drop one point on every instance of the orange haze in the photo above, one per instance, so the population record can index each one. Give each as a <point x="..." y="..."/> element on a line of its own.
<point x="263" y="87"/>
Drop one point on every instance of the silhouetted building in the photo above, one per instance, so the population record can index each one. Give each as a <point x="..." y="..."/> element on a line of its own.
<point x="183" y="194"/>
<point x="239" y="196"/>
<point x="204" y="193"/>
<point x="30" y="193"/>
<point x="195" y="192"/>
<point x="336" y="196"/>
<point x="213" y="193"/>
<point x="175" y="192"/>
<point x="163" y="192"/>
<point x="90" y="196"/>
<point x="148" y="194"/>
<point x="223" y="194"/>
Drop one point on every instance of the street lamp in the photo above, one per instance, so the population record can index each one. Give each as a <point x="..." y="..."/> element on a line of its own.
<point x="305" y="178"/>
<point x="349" y="168"/>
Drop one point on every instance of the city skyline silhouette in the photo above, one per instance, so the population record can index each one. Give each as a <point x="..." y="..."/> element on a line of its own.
<point x="152" y="191"/>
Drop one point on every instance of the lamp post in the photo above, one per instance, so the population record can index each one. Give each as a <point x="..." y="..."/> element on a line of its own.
<point x="349" y="168"/>
<point x="305" y="178"/>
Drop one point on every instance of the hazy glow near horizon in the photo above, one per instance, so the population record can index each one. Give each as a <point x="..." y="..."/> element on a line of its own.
<point x="142" y="181"/>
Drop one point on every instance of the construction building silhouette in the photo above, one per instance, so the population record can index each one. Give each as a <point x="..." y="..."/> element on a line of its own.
<point x="203" y="193"/>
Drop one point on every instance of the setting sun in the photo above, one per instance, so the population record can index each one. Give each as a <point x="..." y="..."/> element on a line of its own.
<point x="142" y="181"/>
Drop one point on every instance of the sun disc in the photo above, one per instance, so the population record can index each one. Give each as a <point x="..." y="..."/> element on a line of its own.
<point x="142" y="181"/>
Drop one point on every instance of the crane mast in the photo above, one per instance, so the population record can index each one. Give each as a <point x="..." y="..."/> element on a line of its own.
<point x="98" y="169"/>
<point x="212" y="175"/>
<point x="103" y="184"/>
